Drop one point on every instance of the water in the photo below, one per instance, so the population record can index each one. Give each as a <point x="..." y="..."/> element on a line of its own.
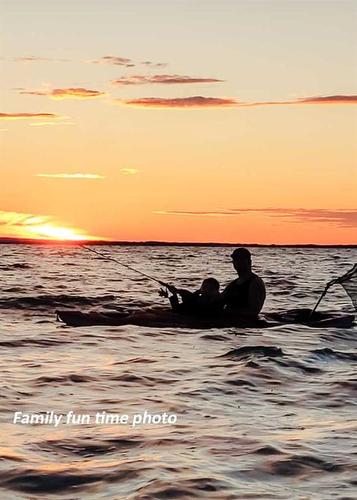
<point x="249" y="425"/>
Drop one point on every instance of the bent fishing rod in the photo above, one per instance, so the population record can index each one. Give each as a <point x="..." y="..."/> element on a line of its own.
<point x="105" y="257"/>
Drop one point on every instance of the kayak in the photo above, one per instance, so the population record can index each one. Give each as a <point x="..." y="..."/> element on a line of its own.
<point x="169" y="319"/>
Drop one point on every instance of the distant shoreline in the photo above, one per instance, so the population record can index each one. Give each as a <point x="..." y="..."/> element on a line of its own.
<point x="24" y="241"/>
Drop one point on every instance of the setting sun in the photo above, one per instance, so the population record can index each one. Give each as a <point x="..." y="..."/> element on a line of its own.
<point x="51" y="231"/>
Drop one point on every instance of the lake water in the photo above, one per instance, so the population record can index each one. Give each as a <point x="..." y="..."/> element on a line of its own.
<point x="248" y="426"/>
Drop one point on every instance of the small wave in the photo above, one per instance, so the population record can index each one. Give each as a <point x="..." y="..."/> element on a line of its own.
<point x="63" y="379"/>
<point x="46" y="482"/>
<point x="350" y="385"/>
<point x="327" y="353"/>
<point x="30" y="342"/>
<point x="300" y="366"/>
<point x="88" y="447"/>
<point x="240" y="382"/>
<point x="267" y="450"/>
<point x="43" y="481"/>
<point x="135" y="360"/>
<point x="302" y="465"/>
<point x="206" y="487"/>
<point x="46" y="301"/>
<point x="260" y="350"/>
<point x="214" y="337"/>
<point x="11" y="267"/>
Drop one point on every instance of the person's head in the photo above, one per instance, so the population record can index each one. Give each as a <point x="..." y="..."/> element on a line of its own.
<point x="242" y="260"/>
<point x="210" y="286"/>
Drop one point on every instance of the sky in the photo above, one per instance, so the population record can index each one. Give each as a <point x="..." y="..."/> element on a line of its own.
<point x="203" y="121"/>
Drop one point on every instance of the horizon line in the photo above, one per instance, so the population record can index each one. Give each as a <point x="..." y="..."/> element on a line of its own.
<point x="33" y="241"/>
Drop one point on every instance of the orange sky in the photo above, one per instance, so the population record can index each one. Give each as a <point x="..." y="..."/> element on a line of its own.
<point x="180" y="121"/>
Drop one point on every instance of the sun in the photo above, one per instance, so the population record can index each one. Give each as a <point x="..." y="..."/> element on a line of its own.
<point x="55" y="232"/>
<point x="40" y="227"/>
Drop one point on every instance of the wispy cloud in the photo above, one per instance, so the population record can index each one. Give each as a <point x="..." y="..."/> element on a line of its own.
<point x="115" y="60"/>
<point x="162" y="79"/>
<point x="29" y="59"/>
<point x="341" y="217"/>
<point x="129" y="171"/>
<point x="179" y="102"/>
<point x="66" y="93"/>
<point x="151" y="64"/>
<point x="330" y="99"/>
<point x="25" y="116"/>
<point x="72" y="176"/>
<point x="209" y="102"/>
<point x="20" y="219"/>
<point x="46" y="124"/>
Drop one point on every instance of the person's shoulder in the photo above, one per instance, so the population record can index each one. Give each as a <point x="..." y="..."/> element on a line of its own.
<point x="257" y="279"/>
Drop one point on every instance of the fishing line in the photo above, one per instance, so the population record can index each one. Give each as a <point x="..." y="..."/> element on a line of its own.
<point x="105" y="257"/>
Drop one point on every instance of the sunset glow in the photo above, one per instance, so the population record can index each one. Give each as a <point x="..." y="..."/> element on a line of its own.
<point x="217" y="121"/>
<point x="31" y="226"/>
<point x="54" y="232"/>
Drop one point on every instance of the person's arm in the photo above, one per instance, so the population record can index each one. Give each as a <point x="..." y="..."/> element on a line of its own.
<point x="185" y="294"/>
<point x="257" y="296"/>
<point x="256" y="299"/>
<point x="174" y="301"/>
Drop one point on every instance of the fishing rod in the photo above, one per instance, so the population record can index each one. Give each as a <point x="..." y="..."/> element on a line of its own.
<point x="341" y="281"/>
<point x="105" y="257"/>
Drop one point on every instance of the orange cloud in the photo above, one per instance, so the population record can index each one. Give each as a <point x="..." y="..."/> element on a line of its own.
<point x="21" y="116"/>
<point x="332" y="99"/>
<point x="341" y="217"/>
<point x="179" y="102"/>
<point x="72" y="176"/>
<point x="348" y="99"/>
<point x="162" y="79"/>
<point x="208" y="102"/>
<point x="66" y="93"/>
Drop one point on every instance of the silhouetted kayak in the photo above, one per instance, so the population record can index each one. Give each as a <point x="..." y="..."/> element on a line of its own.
<point x="169" y="319"/>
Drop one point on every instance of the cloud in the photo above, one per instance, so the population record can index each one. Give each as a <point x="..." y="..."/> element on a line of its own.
<point x="151" y="64"/>
<point x="161" y="79"/>
<point x="66" y="93"/>
<point x="115" y="60"/>
<point x="45" y="124"/>
<point x="27" y="59"/>
<point x="341" y="217"/>
<point x="348" y="99"/>
<point x="31" y="59"/>
<point x="20" y="219"/>
<point x="72" y="176"/>
<point x="24" y="116"/>
<point x="179" y="102"/>
<point x="208" y="102"/>
<point x="332" y="99"/>
<point x="129" y="171"/>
